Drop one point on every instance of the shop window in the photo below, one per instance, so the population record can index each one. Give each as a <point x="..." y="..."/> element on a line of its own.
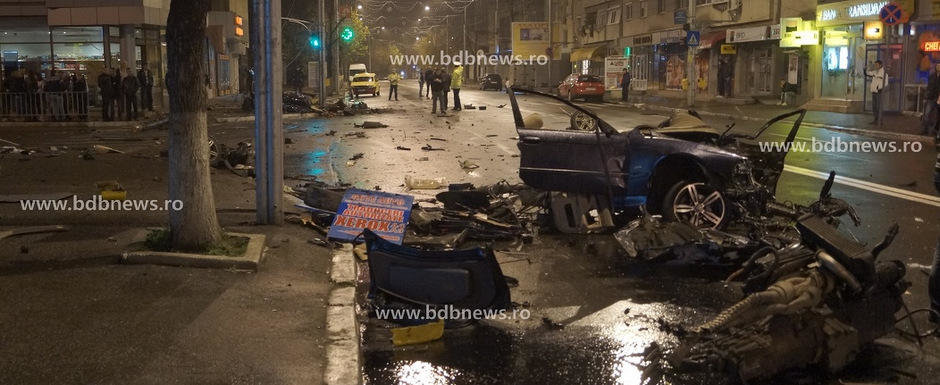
<point x="24" y="35"/>
<point x="837" y="58"/>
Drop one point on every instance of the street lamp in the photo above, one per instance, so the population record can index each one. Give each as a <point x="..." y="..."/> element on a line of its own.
<point x="359" y="6"/>
<point x="427" y="7"/>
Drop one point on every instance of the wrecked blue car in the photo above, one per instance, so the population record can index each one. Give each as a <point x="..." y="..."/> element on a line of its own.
<point x="682" y="169"/>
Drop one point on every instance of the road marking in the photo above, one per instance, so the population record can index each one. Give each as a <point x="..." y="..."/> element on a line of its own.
<point x="868" y="186"/>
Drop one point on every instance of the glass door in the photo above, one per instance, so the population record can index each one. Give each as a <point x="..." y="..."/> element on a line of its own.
<point x="890" y="56"/>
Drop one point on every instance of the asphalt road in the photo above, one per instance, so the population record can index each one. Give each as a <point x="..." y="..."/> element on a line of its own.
<point x="568" y="280"/>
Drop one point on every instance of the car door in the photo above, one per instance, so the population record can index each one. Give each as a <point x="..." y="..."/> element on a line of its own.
<point x="556" y="158"/>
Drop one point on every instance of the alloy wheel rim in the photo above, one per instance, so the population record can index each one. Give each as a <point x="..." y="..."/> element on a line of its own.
<point x="699" y="205"/>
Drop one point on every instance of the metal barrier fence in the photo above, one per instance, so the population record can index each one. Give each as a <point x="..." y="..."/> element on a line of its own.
<point x="45" y="106"/>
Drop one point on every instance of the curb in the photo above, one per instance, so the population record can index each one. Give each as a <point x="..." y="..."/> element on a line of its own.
<point x="832" y="127"/>
<point x="251" y="118"/>
<point x="343" y="355"/>
<point x="249" y="261"/>
<point x="85" y="124"/>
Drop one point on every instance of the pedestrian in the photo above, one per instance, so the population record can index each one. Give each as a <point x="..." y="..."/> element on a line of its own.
<point x="625" y="86"/>
<point x="437" y="91"/>
<point x="145" y="81"/>
<point x="933" y="287"/>
<point x="445" y="77"/>
<point x="130" y="95"/>
<point x="930" y="120"/>
<point x="427" y="78"/>
<point x="456" y="82"/>
<point x="421" y="83"/>
<point x="117" y="93"/>
<point x="107" y="96"/>
<point x="54" y="90"/>
<point x="393" y="79"/>
<point x="80" y="95"/>
<point x="879" y="81"/>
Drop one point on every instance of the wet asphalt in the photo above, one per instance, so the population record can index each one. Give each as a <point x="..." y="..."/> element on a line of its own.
<point x="611" y="309"/>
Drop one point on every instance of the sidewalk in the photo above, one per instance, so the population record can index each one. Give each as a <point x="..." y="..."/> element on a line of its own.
<point x="896" y="126"/>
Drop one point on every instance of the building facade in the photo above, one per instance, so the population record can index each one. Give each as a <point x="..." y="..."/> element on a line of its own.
<point x="87" y="37"/>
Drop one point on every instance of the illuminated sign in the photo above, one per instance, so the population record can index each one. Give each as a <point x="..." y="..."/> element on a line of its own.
<point x="239" y="31"/>
<point x="865" y="9"/>
<point x="800" y="38"/>
<point x="729" y="49"/>
<point x="828" y="14"/>
<point x="931" y="46"/>
<point x="874" y="30"/>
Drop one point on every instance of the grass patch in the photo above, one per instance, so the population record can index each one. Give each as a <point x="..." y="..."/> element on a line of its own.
<point x="230" y="246"/>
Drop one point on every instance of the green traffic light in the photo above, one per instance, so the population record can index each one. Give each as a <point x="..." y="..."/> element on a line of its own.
<point x="348" y="34"/>
<point x="314" y="42"/>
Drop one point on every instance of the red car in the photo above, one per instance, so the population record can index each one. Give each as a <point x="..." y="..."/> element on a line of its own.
<point x="589" y="87"/>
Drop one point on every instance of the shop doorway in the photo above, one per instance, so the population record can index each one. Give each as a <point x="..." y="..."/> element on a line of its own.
<point x="890" y="56"/>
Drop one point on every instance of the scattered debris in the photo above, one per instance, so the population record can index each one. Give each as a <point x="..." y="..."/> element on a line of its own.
<point x="99" y="149"/>
<point x="427" y="147"/>
<point x="357" y="134"/>
<point x="468" y="165"/>
<point x="330" y="133"/>
<point x="357" y="156"/>
<point x="402" y="148"/>
<point x="288" y="141"/>
<point x="370" y="124"/>
<point x="424" y="184"/>
<point x="552" y="325"/>
<point x="438" y="139"/>
<point x="411" y="335"/>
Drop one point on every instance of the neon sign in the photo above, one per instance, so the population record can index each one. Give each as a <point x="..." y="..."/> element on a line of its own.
<point x="828" y="14"/>
<point x="932" y="46"/>
<point x="866" y="9"/>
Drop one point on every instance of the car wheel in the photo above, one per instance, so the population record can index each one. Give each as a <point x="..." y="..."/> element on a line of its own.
<point x="696" y="203"/>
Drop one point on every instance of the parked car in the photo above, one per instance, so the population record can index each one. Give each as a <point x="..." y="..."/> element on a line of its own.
<point x="491" y="82"/>
<point x="355" y="69"/>
<point x="683" y="169"/>
<point x="576" y="86"/>
<point x="365" y="83"/>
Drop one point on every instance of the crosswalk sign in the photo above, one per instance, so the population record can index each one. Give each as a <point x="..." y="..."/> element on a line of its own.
<point x="693" y="38"/>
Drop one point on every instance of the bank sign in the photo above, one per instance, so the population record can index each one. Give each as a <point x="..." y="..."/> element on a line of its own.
<point x="856" y="11"/>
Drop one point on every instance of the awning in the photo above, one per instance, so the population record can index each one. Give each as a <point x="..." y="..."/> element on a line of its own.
<point x="585" y="53"/>
<point x="711" y="38"/>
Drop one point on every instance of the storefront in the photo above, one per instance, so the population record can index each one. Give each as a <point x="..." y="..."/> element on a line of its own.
<point x="640" y="53"/>
<point x="669" y="63"/>
<point x="706" y="58"/>
<point x="853" y="38"/>
<point x="589" y="60"/>
<point x="753" y="65"/>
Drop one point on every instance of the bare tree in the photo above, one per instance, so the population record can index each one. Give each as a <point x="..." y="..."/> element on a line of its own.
<point x="196" y="225"/>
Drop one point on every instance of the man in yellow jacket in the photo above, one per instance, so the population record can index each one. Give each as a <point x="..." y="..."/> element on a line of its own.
<point x="393" y="79"/>
<point x="456" y="81"/>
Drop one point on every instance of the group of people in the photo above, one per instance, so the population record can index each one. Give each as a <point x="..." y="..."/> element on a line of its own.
<point x="119" y="90"/>
<point x="58" y="95"/>
<point x="437" y="83"/>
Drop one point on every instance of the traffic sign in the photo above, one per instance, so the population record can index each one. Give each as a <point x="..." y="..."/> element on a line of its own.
<point x="680" y="17"/>
<point x="693" y="38"/>
<point x="892" y="14"/>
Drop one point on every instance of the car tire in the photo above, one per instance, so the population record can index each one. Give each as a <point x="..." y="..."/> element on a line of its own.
<point x="696" y="203"/>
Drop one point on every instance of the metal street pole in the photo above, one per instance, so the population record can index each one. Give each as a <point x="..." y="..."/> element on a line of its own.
<point x="269" y="140"/>
<point x="321" y="66"/>
<point x="690" y="65"/>
<point x="335" y="47"/>
<point x="463" y="45"/>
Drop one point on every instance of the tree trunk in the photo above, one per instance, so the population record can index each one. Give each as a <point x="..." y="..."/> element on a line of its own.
<point x="196" y="225"/>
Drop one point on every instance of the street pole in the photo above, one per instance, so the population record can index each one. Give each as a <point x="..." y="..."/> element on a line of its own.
<point x="269" y="140"/>
<point x="463" y="45"/>
<point x="690" y="59"/>
<point x="335" y="47"/>
<point x="321" y="66"/>
<point x="551" y="41"/>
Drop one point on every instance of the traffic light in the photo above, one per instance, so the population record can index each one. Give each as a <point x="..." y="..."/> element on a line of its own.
<point x="314" y="41"/>
<point x="348" y="34"/>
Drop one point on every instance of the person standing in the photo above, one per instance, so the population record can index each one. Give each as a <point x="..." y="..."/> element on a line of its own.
<point x="427" y="79"/>
<point x="456" y="82"/>
<point x="879" y="81"/>
<point x="931" y="119"/>
<point x="445" y="77"/>
<point x="117" y="93"/>
<point x="436" y="83"/>
<point x="107" y="104"/>
<point x="130" y="95"/>
<point x="625" y="86"/>
<point x="145" y="81"/>
<point x="420" y="83"/>
<point x="393" y="79"/>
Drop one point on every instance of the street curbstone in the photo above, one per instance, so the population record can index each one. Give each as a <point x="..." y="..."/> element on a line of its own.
<point x="254" y="252"/>
<point x="343" y="352"/>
